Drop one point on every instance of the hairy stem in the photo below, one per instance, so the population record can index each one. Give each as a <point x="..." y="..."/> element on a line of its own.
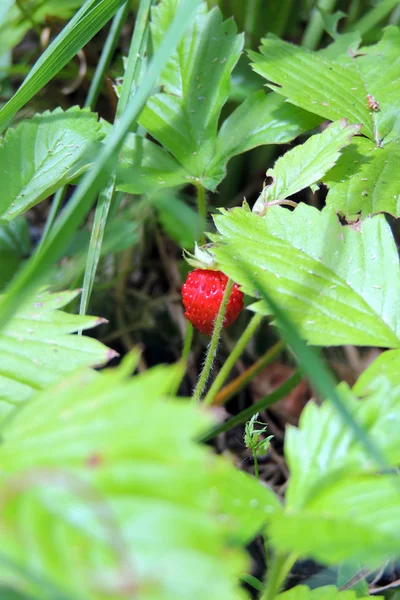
<point x="212" y="348"/>
<point x="202" y="208"/>
<point x="232" y="358"/>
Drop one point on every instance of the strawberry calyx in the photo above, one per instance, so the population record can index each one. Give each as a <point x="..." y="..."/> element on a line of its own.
<point x="203" y="257"/>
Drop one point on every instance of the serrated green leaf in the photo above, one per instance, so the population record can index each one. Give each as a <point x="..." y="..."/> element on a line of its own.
<point x="260" y="119"/>
<point x="338" y="88"/>
<point x="44" y="153"/>
<point x="184" y="118"/>
<point x="347" y="296"/>
<point x="329" y="89"/>
<point x="306" y="164"/>
<point x="354" y="518"/>
<point x="36" y="349"/>
<point x="322" y="447"/>
<point x="113" y="501"/>
<point x="365" y="180"/>
<point x="329" y="592"/>
<point x="145" y="167"/>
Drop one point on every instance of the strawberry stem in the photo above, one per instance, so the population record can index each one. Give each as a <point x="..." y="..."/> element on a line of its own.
<point x="212" y="348"/>
<point x="232" y="358"/>
<point x="202" y="208"/>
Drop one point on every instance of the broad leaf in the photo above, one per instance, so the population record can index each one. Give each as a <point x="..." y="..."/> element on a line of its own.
<point x="306" y="164"/>
<point x="361" y="85"/>
<point x="329" y="592"/>
<point x="184" y="118"/>
<point x="36" y="349"/>
<point x="338" y="88"/>
<point x="365" y="180"/>
<point x="261" y="119"/>
<point x="354" y="518"/>
<point x="113" y="502"/>
<point x="347" y="296"/>
<point x="42" y="154"/>
<point x="145" y="167"/>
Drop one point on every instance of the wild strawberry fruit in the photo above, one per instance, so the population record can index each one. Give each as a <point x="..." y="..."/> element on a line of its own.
<point x="202" y="296"/>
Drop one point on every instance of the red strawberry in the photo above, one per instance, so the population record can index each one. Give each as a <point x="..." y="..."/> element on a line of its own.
<point x="202" y="296"/>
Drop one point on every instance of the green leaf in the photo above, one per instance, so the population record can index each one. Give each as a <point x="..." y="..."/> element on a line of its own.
<point x="335" y="89"/>
<point x="387" y="365"/>
<point x="365" y="180"/>
<point x="306" y="164"/>
<point x="36" y="349"/>
<point x="179" y="220"/>
<point x="329" y="592"/>
<point x="112" y="501"/>
<point x="184" y="118"/>
<point x="323" y="447"/>
<point x="260" y="119"/>
<point x="353" y="518"/>
<point x="42" y="154"/>
<point x="348" y="296"/>
<point x="145" y="167"/>
<point x="15" y="245"/>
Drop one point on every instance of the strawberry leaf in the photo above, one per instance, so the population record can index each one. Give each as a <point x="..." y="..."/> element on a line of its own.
<point x="349" y="296"/>
<point x="306" y="164"/>
<point x="99" y="501"/>
<point x="37" y="350"/>
<point x="328" y="592"/>
<point x="54" y="148"/>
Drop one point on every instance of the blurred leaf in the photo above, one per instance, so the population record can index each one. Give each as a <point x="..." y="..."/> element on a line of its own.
<point x="100" y="501"/>
<point x="306" y="164"/>
<point x="42" y="154"/>
<point x="261" y="119"/>
<point x="353" y="576"/>
<point x="365" y="180"/>
<point x="350" y="295"/>
<point x="386" y="365"/>
<point x="37" y="350"/>
<point x="352" y="518"/>
<point x="329" y="592"/>
<point x="179" y="220"/>
<point x="15" y="245"/>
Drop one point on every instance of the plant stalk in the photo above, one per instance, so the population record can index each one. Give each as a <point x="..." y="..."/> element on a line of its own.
<point x="315" y="28"/>
<point x="259" y="406"/>
<point x="202" y="208"/>
<point x="279" y="569"/>
<point x="235" y="386"/>
<point x="232" y="358"/>
<point x="212" y="348"/>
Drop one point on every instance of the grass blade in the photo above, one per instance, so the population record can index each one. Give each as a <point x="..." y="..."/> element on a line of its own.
<point x="93" y="15"/>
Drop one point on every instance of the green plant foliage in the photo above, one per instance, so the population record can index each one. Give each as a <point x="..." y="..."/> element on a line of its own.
<point x="184" y="116"/>
<point x="341" y="83"/>
<point x="102" y="507"/>
<point x="37" y="350"/>
<point x="54" y="148"/>
<point x="306" y="164"/>
<point x="15" y="245"/>
<point x="341" y="296"/>
<point x="349" y="511"/>
<point x="387" y="365"/>
<point x="179" y="220"/>
<point x="329" y="592"/>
